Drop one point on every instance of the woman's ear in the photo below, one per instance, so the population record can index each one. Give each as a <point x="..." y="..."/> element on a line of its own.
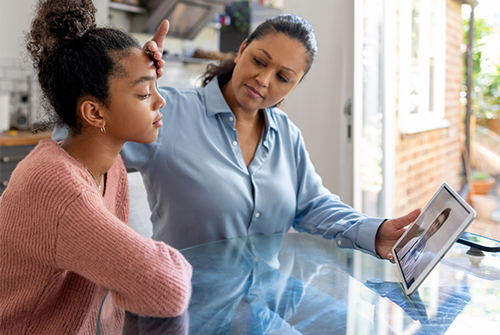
<point x="240" y="51"/>
<point x="92" y="113"/>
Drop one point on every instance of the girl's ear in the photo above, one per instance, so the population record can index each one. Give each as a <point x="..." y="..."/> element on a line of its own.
<point x="92" y="113"/>
<point x="240" y="51"/>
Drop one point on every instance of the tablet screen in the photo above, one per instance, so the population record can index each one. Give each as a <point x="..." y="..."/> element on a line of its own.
<point x="439" y="225"/>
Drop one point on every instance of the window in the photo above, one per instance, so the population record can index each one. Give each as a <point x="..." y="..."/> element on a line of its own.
<point x="422" y="65"/>
<point x="375" y="107"/>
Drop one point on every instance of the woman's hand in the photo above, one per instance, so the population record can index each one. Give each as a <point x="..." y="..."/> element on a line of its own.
<point x="154" y="48"/>
<point x="390" y="231"/>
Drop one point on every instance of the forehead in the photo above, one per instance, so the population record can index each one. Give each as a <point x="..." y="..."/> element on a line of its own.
<point x="137" y="64"/>
<point x="282" y="48"/>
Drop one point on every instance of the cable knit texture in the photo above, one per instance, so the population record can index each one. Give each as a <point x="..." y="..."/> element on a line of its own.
<point x="63" y="246"/>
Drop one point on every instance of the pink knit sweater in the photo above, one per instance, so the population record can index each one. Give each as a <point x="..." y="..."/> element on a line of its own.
<point x="63" y="246"/>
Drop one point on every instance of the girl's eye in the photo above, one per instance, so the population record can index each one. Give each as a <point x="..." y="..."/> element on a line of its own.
<point x="145" y="96"/>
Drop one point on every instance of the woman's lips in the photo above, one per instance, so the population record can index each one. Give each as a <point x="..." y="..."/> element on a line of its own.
<point x="253" y="92"/>
<point x="159" y="121"/>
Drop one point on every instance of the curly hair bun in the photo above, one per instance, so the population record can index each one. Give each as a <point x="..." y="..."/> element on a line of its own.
<point x="58" y="22"/>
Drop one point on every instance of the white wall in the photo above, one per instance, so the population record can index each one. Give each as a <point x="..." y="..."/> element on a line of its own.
<point x="317" y="104"/>
<point x="16" y="71"/>
<point x="15" y="19"/>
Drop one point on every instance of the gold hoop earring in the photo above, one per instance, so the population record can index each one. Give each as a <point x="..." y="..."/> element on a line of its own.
<point x="103" y="130"/>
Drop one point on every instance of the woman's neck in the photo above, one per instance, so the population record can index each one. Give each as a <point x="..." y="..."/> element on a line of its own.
<point x="244" y="116"/>
<point x="92" y="150"/>
<point x="257" y="121"/>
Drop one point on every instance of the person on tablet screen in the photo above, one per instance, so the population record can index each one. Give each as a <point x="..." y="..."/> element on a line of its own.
<point x="411" y="253"/>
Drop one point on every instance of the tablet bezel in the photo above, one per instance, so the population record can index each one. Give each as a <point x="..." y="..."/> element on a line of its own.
<point x="451" y="240"/>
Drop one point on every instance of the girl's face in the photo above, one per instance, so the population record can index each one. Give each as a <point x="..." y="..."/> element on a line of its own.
<point x="266" y="71"/>
<point x="133" y="112"/>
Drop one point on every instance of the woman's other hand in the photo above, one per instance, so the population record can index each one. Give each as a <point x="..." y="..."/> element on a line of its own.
<point x="154" y="48"/>
<point x="390" y="231"/>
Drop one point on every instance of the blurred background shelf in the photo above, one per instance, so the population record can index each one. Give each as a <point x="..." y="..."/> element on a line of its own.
<point x="127" y="8"/>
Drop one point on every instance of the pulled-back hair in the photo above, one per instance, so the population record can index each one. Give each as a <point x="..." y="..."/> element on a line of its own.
<point x="73" y="58"/>
<point x="287" y="24"/>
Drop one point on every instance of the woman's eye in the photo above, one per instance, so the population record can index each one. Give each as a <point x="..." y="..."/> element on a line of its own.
<point x="145" y="96"/>
<point x="282" y="79"/>
<point x="258" y="62"/>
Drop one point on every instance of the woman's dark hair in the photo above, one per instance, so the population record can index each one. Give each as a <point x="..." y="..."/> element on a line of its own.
<point x="287" y="24"/>
<point x="73" y="58"/>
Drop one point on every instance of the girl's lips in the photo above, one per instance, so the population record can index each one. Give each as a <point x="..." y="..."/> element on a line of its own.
<point x="159" y="121"/>
<point x="253" y="92"/>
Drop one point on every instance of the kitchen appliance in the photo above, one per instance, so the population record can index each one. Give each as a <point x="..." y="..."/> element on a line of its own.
<point x="186" y="17"/>
<point x="19" y="119"/>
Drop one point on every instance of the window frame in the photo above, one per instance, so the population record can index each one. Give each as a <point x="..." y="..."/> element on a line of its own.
<point x="425" y="119"/>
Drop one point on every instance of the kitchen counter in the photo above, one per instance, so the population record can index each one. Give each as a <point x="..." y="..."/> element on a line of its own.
<point x="22" y="138"/>
<point x="14" y="146"/>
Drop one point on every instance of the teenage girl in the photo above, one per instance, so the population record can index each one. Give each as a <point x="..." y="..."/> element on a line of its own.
<point x="64" y="236"/>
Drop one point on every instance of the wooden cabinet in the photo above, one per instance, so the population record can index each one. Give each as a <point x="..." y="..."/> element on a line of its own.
<point x="13" y="148"/>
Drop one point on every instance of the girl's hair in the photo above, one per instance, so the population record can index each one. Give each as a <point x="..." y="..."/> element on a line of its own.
<point x="73" y="58"/>
<point x="287" y="24"/>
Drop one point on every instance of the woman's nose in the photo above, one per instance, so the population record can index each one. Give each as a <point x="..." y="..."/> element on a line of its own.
<point x="263" y="78"/>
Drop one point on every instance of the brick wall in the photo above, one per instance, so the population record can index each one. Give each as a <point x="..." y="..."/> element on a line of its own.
<point x="425" y="160"/>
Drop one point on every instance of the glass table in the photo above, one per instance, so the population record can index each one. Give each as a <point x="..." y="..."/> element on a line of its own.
<point x="302" y="284"/>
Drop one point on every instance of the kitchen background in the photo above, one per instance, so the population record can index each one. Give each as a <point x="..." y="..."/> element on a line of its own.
<point x="194" y="40"/>
<point x="381" y="131"/>
<point x="322" y="120"/>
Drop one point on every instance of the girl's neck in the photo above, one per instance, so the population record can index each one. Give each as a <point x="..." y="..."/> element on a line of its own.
<point x="92" y="150"/>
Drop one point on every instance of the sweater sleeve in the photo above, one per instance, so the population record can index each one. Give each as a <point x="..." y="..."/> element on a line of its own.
<point x="145" y="277"/>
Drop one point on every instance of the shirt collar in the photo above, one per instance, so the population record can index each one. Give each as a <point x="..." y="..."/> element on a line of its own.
<point x="216" y="104"/>
<point x="214" y="99"/>
<point x="269" y="118"/>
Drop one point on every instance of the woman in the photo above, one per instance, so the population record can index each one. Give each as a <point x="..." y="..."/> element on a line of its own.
<point x="65" y="240"/>
<point x="228" y="163"/>
<point x="410" y="254"/>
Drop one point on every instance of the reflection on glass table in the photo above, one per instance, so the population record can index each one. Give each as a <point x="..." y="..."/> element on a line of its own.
<point x="304" y="284"/>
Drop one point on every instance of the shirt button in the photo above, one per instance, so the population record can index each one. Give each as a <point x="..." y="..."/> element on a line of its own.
<point x="235" y="143"/>
<point x="257" y="215"/>
<point x="231" y="118"/>
<point x="339" y="242"/>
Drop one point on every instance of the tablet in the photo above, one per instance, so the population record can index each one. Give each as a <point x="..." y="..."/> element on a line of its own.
<point x="430" y="236"/>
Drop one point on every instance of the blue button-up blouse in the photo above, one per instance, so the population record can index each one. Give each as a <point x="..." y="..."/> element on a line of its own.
<point x="200" y="189"/>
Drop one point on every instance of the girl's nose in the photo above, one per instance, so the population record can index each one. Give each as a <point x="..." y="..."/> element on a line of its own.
<point x="159" y="101"/>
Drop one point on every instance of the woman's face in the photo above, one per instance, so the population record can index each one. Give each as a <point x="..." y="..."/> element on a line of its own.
<point x="133" y="112"/>
<point x="267" y="70"/>
<point x="436" y="224"/>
